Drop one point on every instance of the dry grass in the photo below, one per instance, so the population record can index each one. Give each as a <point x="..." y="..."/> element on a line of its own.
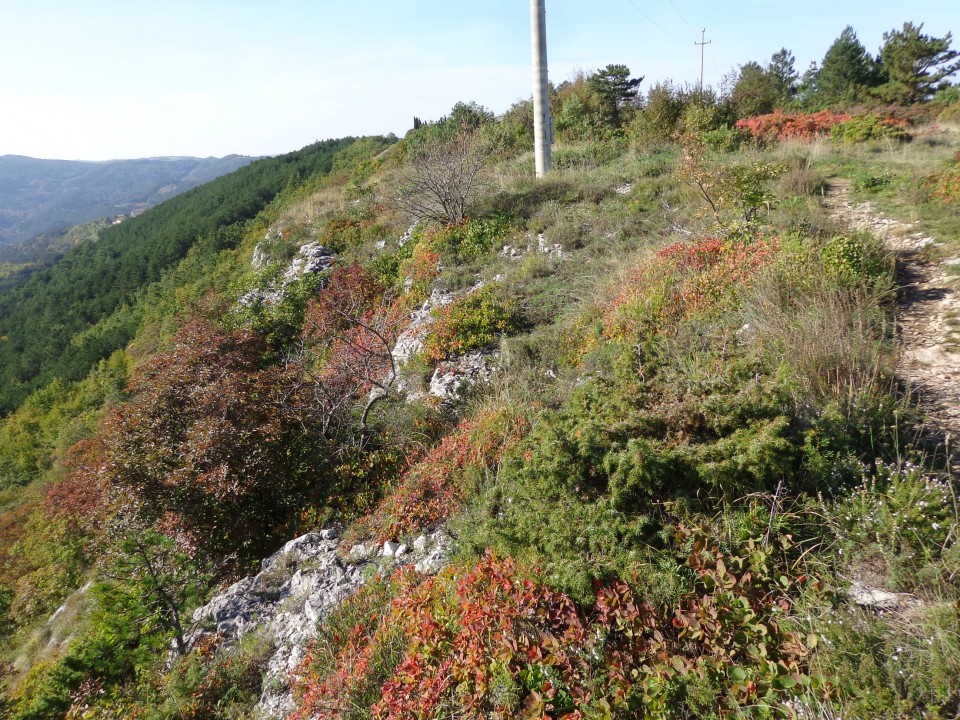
<point x="835" y="339"/>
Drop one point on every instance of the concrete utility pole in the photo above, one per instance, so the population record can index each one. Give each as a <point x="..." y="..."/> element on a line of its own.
<point x="702" y="45"/>
<point x="542" y="125"/>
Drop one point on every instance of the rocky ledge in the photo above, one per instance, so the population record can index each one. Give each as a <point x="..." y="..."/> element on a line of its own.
<point x="298" y="586"/>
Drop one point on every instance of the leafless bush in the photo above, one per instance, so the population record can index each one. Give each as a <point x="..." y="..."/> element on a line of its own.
<point x="442" y="177"/>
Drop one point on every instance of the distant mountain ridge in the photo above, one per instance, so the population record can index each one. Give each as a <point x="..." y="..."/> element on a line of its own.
<point x="38" y="196"/>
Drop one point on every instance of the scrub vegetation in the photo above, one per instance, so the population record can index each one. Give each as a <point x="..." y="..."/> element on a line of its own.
<point x="696" y="444"/>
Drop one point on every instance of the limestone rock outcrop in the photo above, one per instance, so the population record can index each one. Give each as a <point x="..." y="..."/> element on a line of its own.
<point x="297" y="587"/>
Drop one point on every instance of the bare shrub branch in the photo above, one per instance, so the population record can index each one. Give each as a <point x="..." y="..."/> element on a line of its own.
<point x="443" y="175"/>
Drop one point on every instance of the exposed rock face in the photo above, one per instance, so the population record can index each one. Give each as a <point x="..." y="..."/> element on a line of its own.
<point x="452" y="376"/>
<point x="410" y="341"/>
<point x="544" y="246"/>
<point x="311" y="258"/>
<point x="880" y="600"/>
<point x="298" y="586"/>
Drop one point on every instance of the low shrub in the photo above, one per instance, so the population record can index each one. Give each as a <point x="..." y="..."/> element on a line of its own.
<point x="947" y="96"/>
<point x="473" y="321"/>
<point x="490" y="642"/>
<point x="871" y="182"/>
<point x="725" y="138"/>
<point x="684" y="278"/>
<point x="778" y="125"/>
<point x="897" y="530"/>
<point x="416" y="273"/>
<point x="734" y="194"/>
<point x="888" y="664"/>
<point x="821" y="314"/>
<point x="852" y="258"/>
<point x="433" y="488"/>
<point x="213" y="682"/>
<point x="900" y="522"/>
<point x="466" y="240"/>
<point x="590" y="154"/>
<point x="864" y="128"/>
<point x="801" y="181"/>
<point x="950" y="114"/>
<point x="946" y="184"/>
<point x="355" y="652"/>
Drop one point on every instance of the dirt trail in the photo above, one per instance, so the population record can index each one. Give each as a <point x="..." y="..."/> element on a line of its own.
<point x="929" y="362"/>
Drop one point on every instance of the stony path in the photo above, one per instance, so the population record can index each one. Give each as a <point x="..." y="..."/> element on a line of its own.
<point x="929" y="360"/>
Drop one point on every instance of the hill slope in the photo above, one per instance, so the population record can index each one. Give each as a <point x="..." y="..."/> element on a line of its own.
<point x="625" y="441"/>
<point x="40" y="318"/>
<point x="39" y="196"/>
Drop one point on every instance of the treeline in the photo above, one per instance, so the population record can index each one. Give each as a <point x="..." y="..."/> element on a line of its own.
<point x="40" y="319"/>
<point x="607" y="107"/>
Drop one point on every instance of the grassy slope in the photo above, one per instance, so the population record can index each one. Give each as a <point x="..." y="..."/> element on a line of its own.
<point x="652" y="391"/>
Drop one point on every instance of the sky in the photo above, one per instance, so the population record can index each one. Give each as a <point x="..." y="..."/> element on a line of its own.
<point x="111" y="79"/>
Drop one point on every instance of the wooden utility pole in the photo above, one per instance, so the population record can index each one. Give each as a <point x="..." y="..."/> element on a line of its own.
<point x="702" y="45"/>
<point x="542" y="125"/>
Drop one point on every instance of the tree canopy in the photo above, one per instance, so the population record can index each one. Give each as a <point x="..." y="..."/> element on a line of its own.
<point x="755" y="92"/>
<point x="615" y="88"/>
<point x="916" y="65"/>
<point x="847" y="71"/>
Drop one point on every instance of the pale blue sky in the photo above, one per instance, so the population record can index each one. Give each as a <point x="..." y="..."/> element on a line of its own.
<point x="101" y="79"/>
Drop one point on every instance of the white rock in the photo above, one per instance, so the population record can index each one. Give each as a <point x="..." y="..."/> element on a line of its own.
<point x="260" y="255"/>
<point x="428" y="566"/>
<point x="311" y="258"/>
<point x="299" y="586"/>
<point x="879" y="599"/>
<point x="407" y="236"/>
<point x="390" y="548"/>
<point x="359" y="552"/>
<point x="420" y="545"/>
<point x="451" y="377"/>
<point x="554" y="250"/>
<point x="410" y="341"/>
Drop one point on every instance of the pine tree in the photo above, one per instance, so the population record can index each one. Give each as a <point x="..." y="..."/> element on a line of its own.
<point x="915" y="65"/>
<point x="755" y="92"/>
<point x="784" y="75"/>
<point x="615" y="89"/>
<point x="847" y="71"/>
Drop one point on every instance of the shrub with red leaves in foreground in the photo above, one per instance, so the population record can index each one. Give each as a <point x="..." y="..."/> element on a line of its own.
<point x="493" y="643"/>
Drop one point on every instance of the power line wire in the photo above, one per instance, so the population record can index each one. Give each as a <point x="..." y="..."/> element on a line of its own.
<point x="682" y="16"/>
<point x="654" y="22"/>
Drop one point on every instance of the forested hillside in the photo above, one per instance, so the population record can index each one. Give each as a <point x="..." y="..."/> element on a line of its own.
<point x="38" y="196"/>
<point x="41" y="320"/>
<point x="394" y="429"/>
